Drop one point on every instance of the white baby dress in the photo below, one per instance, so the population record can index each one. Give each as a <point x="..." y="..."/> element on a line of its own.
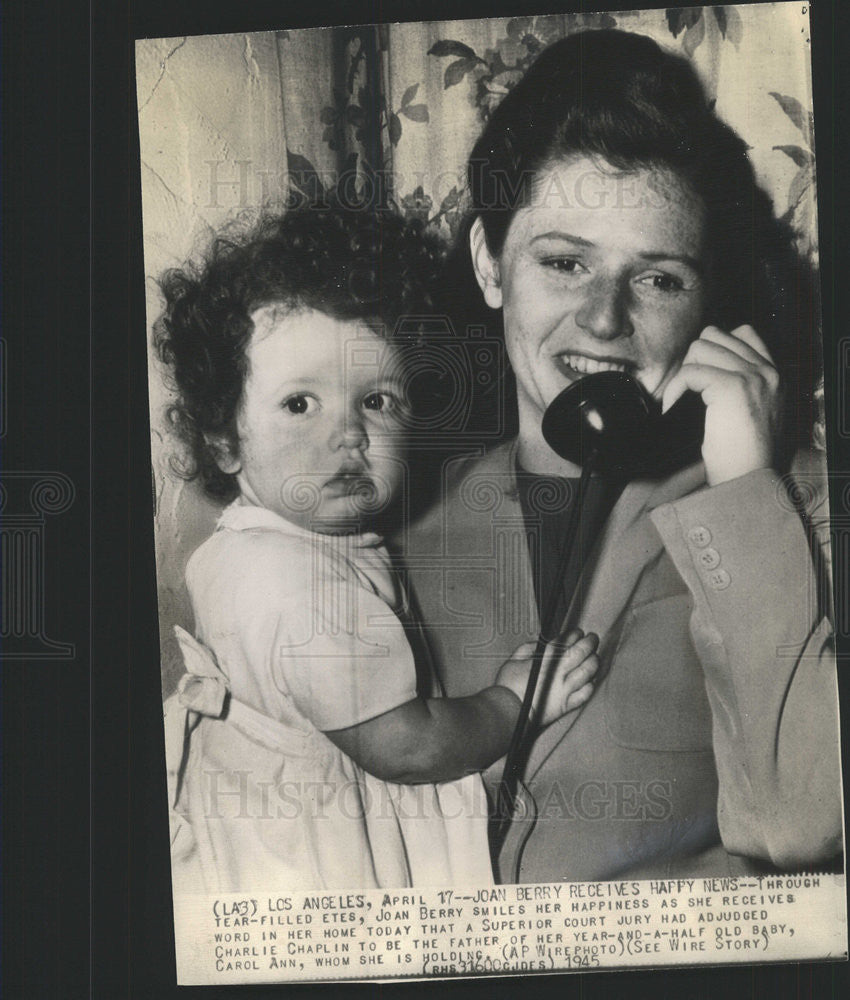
<point x="297" y="633"/>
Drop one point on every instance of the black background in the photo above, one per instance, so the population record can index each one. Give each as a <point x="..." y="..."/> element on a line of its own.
<point x="86" y="900"/>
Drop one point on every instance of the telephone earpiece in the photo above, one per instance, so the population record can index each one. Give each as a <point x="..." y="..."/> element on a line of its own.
<point x="610" y="421"/>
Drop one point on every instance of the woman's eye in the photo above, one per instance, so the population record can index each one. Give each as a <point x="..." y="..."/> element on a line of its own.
<point x="299" y="404"/>
<point x="567" y="265"/>
<point x="381" y="402"/>
<point x="663" y="282"/>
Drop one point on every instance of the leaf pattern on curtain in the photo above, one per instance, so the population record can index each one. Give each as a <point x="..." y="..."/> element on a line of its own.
<point x="406" y="101"/>
<point x="498" y="68"/>
<point x="801" y="193"/>
<point x="375" y="105"/>
<point x="387" y="114"/>
<point x="230" y="124"/>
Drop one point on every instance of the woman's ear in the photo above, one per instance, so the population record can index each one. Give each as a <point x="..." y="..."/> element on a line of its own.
<point x="486" y="267"/>
<point x="224" y="452"/>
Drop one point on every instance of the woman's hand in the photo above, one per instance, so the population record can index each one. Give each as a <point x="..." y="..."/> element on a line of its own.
<point x="569" y="665"/>
<point x="739" y="384"/>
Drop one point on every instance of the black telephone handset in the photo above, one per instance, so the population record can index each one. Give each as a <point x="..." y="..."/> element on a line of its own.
<point x="608" y="420"/>
<point x="606" y="423"/>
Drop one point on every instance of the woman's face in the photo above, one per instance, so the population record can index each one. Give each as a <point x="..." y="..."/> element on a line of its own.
<point x="601" y="270"/>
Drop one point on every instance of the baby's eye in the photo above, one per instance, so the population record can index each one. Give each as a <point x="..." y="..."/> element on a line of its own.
<point x="381" y="402"/>
<point x="663" y="282"/>
<point x="299" y="403"/>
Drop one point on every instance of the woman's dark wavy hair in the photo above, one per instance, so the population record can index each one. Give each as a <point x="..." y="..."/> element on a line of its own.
<point x="344" y="261"/>
<point x="623" y="99"/>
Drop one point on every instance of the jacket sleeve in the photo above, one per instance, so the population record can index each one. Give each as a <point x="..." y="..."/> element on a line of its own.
<point x="761" y="626"/>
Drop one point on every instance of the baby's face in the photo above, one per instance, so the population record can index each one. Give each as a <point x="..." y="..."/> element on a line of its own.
<point x="320" y="423"/>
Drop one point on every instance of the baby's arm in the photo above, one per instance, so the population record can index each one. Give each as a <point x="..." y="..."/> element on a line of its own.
<point x="439" y="739"/>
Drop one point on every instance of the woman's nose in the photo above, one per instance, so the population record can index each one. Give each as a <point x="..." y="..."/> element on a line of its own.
<point x="604" y="313"/>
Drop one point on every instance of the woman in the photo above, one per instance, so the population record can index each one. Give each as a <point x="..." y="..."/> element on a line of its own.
<point x="616" y="224"/>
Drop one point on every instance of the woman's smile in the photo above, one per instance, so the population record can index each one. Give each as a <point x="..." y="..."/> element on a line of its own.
<point x="583" y="364"/>
<point x="610" y="284"/>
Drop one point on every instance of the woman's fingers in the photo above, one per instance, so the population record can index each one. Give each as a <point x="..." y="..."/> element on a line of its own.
<point x="740" y="386"/>
<point x="743" y="340"/>
<point x="707" y="380"/>
<point x="757" y="376"/>
<point x="749" y="336"/>
<point x="741" y="353"/>
<point x="732" y="356"/>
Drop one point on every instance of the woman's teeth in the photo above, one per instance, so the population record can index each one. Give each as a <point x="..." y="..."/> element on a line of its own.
<point x="587" y="366"/>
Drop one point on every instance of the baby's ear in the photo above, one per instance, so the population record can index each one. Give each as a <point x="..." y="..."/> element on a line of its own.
<point x="225" y="453"/>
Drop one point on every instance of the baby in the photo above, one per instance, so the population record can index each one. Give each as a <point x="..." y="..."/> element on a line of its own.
<point x="302" y="752"/>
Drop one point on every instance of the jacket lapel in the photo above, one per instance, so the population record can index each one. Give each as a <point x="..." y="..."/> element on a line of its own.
<point x="627" y="545"/>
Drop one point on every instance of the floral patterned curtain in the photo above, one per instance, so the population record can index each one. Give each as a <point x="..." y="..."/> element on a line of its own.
<point x="232" y="123"/>
<point x="404" y="102"/>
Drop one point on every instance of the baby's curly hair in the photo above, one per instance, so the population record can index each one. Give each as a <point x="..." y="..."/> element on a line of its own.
<point x="346" y="262"/>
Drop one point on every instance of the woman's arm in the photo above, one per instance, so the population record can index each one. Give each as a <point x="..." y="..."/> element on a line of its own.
<point x="760" y="623"/>
<point x="766" y="646"/>
<point x="440" y="739"/>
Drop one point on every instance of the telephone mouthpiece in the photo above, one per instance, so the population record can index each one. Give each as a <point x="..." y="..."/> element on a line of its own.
<point x="602" y="418"/>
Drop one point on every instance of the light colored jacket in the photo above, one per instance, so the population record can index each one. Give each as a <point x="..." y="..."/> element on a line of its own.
<point x="710" y="744"/>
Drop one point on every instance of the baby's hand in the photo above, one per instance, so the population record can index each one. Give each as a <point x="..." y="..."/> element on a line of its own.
<point x="565" y="683"/>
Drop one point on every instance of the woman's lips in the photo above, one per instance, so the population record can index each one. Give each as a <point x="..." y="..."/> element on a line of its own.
<point x="581" y="364"/>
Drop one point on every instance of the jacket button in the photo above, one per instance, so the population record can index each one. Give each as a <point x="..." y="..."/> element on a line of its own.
<point x="719" y="579"/>
<point x="709" y="558"/>
<point x="699" y="536"/>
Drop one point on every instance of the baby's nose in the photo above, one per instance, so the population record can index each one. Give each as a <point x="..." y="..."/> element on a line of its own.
<point x="351" y="435"/>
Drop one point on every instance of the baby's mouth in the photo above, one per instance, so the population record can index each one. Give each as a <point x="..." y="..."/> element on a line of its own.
<point x="581" y="364"/>
<point x="352" y="483"/>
